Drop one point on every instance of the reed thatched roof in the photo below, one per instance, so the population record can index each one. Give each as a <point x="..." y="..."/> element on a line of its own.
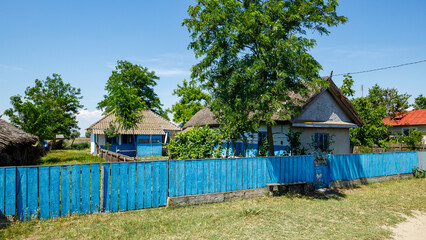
<point x="12" y="136"/>
<point x="151" y="123"/>
<point x="206" y="117"/>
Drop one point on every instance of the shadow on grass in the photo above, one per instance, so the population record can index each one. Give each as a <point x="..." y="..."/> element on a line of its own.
<point x="4" y="222"/>
<point x="323" y="194"/>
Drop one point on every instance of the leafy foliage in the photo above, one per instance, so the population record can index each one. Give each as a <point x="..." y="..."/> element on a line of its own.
<point x="419" y="173"/>
<point x="412" y="139"/>
<point x="419" y="102"/>
<point x="374" y="130"/>
<point x="395" y="103"/>
<point x="295" y="144"/>
<point x="252" y="53"/>
<point x="48" y="108"/>
<point x="347" y="86"/>
<point x="196" y="143"/>
<point x="75" y="134"/>
<point x="87" y="134"/>
<point x="130" y="89"/>
<point x="192" y="99"/>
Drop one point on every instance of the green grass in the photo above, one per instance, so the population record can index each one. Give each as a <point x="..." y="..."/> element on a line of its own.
<point x="359" y="213"/>
<point x="57" y="157"/>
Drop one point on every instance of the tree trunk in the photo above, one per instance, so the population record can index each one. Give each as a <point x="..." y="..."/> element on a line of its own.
<point x="227" y="149"/>
<point x="270" y="141"/>
<point x="234" y="147"/>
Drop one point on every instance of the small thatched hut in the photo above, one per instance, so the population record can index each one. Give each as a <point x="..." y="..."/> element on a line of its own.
<point x="16" y="146"/>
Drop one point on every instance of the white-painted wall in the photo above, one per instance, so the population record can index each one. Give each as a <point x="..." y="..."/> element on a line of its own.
<point x="92" y="143"/>
<point x="340" y="136"/>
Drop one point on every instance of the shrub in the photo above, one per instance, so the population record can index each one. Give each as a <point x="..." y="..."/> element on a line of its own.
<point x="419" y="173"/>
<point x="80" y="146"/>
<point x="196" y="143"/>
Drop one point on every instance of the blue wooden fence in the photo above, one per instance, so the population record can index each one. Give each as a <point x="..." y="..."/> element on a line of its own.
<point x="51" y="191"/>
<point x="345" y="167"/>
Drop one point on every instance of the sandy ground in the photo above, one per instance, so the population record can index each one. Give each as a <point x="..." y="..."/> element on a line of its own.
<point x="412" y="229"/>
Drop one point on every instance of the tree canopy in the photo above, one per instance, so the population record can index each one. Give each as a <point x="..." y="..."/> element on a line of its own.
<point x="47" y="109"/>
<point x="419" y="102"/>
<point x="347" y="86"/>
<point x="130" y="89"/>
<point x="192" y="99"/>
<point x="253" y="52"/>
<point x="394" y="102"/>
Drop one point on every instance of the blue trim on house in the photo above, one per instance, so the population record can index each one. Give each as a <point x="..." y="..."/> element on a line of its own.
<point x="150" y="145"/>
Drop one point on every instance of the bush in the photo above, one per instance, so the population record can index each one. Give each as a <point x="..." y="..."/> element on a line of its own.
<point x="419" y="173"/>
<point x="80" y="146"/>
<point x="196" y="143"/>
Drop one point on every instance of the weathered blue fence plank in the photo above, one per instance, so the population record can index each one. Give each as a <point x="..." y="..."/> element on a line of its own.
<point x="2" y="191"/>
<point x="106" y="187"/>
<point x="54" y="191"/>
<point x="155" y="184"/>
<point x="164" y="175"/>
<point x="223" y="175"/>
<point x="123" y="187"/>
<point x="43" y="189"/>
<point x="76" y="189"/>
<point x="65" y="190"/>
<point x="95" y="187"/>
<point x="148" y="185"/>
<point x="187" y="177"/>
<point x="132" y="186"/>
<point x="200" y="179"/>
<point x="140" y="170"/>
<point x="115" y="178"/>
<point x="85" y="189"/>
<point x="180" y="166"/>
<point x="33" y="192"/>
<point x="21" y="193"/>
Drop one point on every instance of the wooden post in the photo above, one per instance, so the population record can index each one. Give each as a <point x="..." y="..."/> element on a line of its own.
<point x="101" y="204"/>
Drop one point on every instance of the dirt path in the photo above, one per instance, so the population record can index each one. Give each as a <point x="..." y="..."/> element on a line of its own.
<point x="412" y="229"/>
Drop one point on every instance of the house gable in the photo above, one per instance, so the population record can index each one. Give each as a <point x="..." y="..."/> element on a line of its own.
<point x="324" y="108"/>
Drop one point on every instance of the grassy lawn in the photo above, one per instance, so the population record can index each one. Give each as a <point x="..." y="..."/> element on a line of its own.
<point x="56" y="157"/>
<point x="358" y="213"/>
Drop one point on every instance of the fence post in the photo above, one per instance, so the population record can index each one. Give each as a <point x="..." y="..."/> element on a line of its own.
<point x="101" y="204"/>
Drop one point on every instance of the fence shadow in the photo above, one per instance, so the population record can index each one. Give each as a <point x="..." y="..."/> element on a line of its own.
<point x="4" y="221"/>
<point x="311" y="194"/>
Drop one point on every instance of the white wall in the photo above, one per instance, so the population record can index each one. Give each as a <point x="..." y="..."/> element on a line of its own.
<point x="340" y="136"/>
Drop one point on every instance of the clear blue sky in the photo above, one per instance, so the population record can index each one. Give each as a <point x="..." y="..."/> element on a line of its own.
<point x="82" y="40"/>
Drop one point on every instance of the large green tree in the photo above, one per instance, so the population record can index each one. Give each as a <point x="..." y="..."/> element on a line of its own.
<point x="192" y="99"/>
<point x="419" y="102"/>
<point x="130" y="86"/>
<point x="347" y="86"/>
<point x="394" y="102"/>
<point x="253" y="52"/>
<point x="47" y="109"/>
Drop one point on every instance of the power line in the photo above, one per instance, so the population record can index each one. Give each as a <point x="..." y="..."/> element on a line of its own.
<point x="383" y="68"/>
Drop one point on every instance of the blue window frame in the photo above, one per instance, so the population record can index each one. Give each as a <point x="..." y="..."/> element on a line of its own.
<point x="322" y="142"/>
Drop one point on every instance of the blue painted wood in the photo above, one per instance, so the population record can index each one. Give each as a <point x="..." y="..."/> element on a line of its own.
<point x="123" y="187"/>
<point x="216" y="173"/>
<point x="164" y="182"/>
<point x="193" y="177"/>
<point x="172" y="178"/>
<point x="187" y="177"/>
<point x="240" y="170"/>
<point x="180" y="166"/>
<point x="95" y="187"/>
<point x="148" y="185"/>
<point x="234" y="174"/>
<point x="228" y="174"/>
<point x="107" y="187"/>
<point x="155" y="184"/>
<point x="244" y="174"/>
<point x="206" y="176"/>
<point x="140" y="177"/>
<point x="211" y="176"/>
<point x="75" y="189"/>
<point x="21" y="193"/>
<point x="33" y="192"/>
<point x="115" y="172"/>
<point x="215" y="176"/>
<point x="200" y="175"/>
<point x="43" y="189"/>
<point x="2" y="191"/>
<point x="223" y="178"/>
<point x="85" y="189"/>
<point x="54" y="191"/>
<point x="132" y="186"/>
<point x="65" y="190"/>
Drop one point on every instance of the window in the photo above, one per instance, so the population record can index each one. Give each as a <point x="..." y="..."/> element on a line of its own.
<point x="321" y="142"/>
<point x="112" y="140"/>
<point x="156" y="140"/>
<point x="407" y="131"/>
<point x="126" y="139"/>
<point x="143" y="140"/>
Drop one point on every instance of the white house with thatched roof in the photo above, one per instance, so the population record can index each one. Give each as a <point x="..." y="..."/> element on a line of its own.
<point x="16" y="146"/>
<point x="146" y="139"/>
<point x="325" y="114"/>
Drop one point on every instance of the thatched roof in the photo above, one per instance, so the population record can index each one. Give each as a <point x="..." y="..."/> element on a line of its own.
<point x="12" y="136"/>
<point x="206" y="117"/>
<point x="151" y="123"/>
